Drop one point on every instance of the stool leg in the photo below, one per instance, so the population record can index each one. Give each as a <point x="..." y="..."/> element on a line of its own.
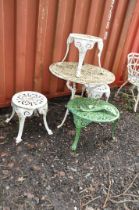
<point x="137" y="100"/>
<point x="46" y="125"/>
<point x="8" y="119"/>
<point x="43" y="111"/>
<point x="79" y="124"/>
<point x="76" y="139"/>
<point x="21" y="127"/>
<point x="114" y="124"/>
<point x="22" y="114"/>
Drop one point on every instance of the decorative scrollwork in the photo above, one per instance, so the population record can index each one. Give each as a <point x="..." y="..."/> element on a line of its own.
<point x="29" y="99"/>
<point x="81" y="122"/>
<point x="83" y="43"/>
<point x="27" y="113"/>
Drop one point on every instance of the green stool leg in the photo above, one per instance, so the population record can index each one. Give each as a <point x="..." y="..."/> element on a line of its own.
<point x="80" y="123"/>
<point x="76" y="139"/>
<point x="114" y="124"/>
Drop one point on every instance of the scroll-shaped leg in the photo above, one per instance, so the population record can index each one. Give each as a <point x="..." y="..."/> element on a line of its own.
<point x="22" y="114"/>
<point x="79" y="124"/>
<point x="73" y="91"/>
<point x="69" y="41"/>
<point x="107" y="92"/>
<point x="137" y="100"/>
<point x="132" y="91"/>
<point x="100" y="47"/>
<point x="80" y="63"/>
<point x="83" y="90"/>
<point x="64" y="119"/>
<point x="8" y="119"/>
<point x="76" y="139"/>
<point x="83" y="45"/>
<point x="21" y="127"/>
<point x="121" y="87"/>
<point x="46" y="125"/>
<point x="114" y="124"/>
<point x="43" y="111"/>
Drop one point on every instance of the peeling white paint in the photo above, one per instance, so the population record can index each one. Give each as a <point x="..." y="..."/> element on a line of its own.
<point x="109" y="20"/>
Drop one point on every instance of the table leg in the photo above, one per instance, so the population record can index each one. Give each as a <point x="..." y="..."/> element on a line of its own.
<point x="73" y="91"/>
<point x="71" y="88"/>
<point x="64" y="119"/>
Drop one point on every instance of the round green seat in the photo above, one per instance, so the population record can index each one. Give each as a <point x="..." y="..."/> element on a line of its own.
<point x="87" y="110"/>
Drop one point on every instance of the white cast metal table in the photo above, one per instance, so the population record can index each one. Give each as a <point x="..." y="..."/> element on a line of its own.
<point x="90" y="74"/>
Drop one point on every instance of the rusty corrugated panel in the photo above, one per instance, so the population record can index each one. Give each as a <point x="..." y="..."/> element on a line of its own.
<point x="62" y="29"/>
<point x="94" y="23"/>
<point x="26" y="22"/>
<point x="47" y="13"/>
<point x="115" y="33"/>
<point x="33" y="35"/>
<point x="126" y="40"/>
<point x="7" y="50"/>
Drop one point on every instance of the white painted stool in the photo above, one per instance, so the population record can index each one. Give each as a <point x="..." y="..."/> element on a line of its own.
<point x="96" y="90"/>
<point x="24" y="104"/>
<point x="83" y="43"/>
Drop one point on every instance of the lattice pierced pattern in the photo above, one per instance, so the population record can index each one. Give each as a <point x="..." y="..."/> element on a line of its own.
<point x="133" y="68"/>
<point x="133" y="76"/>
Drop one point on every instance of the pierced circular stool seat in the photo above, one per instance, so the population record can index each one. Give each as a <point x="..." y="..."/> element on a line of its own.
<point x="87" y="110"/>
<point x="24" y="104"/>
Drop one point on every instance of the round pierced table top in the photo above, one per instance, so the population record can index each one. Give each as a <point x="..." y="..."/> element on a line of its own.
<point x="93" y="110"/>
<point x="29" y="100"/>
<point x="89" y="73"/>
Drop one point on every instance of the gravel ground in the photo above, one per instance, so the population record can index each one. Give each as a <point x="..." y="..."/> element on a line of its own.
<point x="42" y="173"/>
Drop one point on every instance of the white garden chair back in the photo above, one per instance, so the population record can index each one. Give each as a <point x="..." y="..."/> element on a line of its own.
<point x="133" y="68"/>
<point x="133" y="76"/>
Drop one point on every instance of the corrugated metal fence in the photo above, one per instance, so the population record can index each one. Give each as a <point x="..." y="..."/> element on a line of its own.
<point x="33" y="35"/>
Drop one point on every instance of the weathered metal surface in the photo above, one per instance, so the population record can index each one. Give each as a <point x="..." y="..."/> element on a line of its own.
<point x="7" y="50"/>
<point x="33" y="35"/>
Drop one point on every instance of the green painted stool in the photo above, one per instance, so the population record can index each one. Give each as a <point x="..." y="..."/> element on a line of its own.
<point x="87" y="110"/>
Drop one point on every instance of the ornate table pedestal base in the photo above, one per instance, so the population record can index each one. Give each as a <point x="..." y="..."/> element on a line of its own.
<point x="90" y="75"/>
<point x="72" y="88"/>
<point x="87" y="110"/>
<point x="24" y="104"/>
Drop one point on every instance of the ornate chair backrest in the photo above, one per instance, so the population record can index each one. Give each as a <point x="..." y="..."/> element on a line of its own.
<point x="83" y="43"/>
<point x="133" y="68"/>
